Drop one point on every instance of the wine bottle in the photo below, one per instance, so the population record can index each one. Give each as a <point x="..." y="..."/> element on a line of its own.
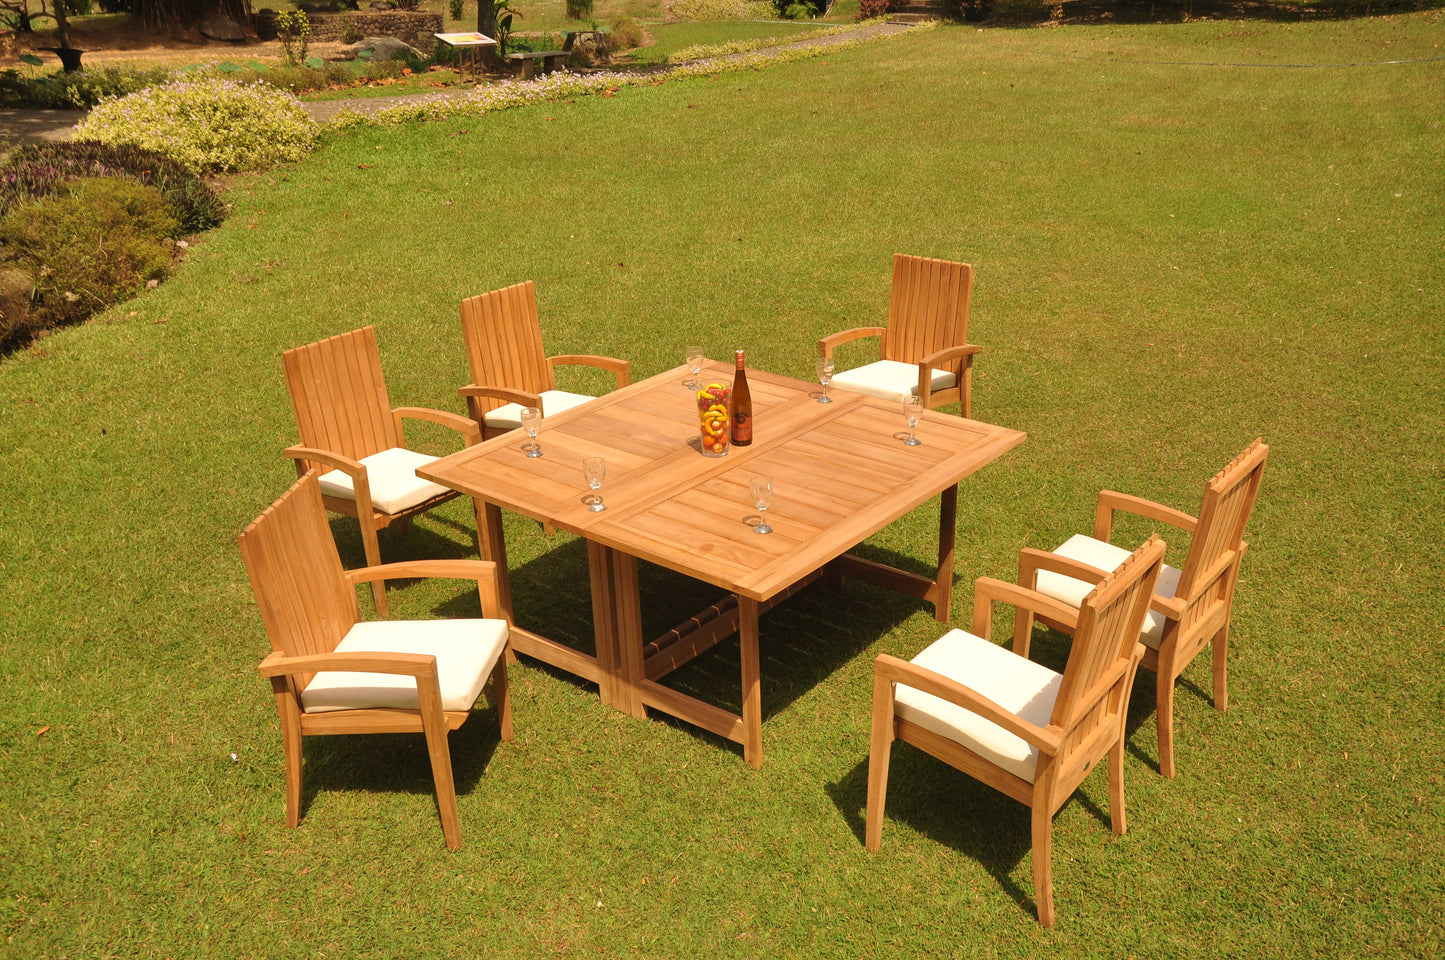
<point x="741" y="428"/>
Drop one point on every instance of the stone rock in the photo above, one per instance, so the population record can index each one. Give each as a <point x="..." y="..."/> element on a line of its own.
<point x="382" y="48"/>
<point x="222" y="28"/>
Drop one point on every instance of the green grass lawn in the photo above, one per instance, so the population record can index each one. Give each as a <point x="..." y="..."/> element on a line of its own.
<point x="1172" y="256"/>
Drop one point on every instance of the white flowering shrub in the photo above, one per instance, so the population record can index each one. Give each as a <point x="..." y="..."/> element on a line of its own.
<point x="724" y="10"/>
<point x="207" y="124"/>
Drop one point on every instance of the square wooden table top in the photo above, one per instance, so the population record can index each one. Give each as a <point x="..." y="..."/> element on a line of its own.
<point x="840" y="473"/>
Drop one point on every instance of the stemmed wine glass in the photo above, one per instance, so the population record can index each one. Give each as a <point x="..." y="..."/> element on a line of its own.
<point x="824" y="366"/>
<point x="695" y="357"/>
<point x="761" y="490"/>
<point x="594" y="469"/>
<point x="913" y="410"/>
<point x="531" y="420"/>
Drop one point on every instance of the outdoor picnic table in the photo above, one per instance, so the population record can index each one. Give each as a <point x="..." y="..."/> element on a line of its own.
<point x="840" y="474"/>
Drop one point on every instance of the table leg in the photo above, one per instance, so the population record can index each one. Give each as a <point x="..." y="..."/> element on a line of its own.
<point x="947" y="533"/>
<point x="492" y="545"/>
<point x="752" y="686"/>
<point x="617" y="627"/>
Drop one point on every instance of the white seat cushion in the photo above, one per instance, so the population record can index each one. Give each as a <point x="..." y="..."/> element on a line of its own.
<point x="1105" y="556"/>
<point x="509" y="417"/>
<point x="889" y="380"/>
<point x="466" y="652"/>
<point x="391" y="475"/>
<point x="1020" y="686"/>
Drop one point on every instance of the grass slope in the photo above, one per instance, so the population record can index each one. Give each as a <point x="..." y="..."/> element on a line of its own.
<point x="1172" y="259"/>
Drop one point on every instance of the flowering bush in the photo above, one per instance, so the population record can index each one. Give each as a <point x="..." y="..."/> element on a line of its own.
<point x="868" y="9"/>
<point x="561" y="85"/>
<point x="33" y="171"/>
<point x="207" y="124"/>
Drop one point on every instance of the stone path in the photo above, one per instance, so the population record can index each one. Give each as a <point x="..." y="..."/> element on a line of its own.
<point x="34" y="125"/>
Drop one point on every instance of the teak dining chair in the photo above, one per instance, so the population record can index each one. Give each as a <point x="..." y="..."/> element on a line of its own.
<point x="333" y="675"/>
<point x="924" y="350"/>
<point x="1190" y="607"/>
<point x="1016" y="725"/>
<point x="350" y="431"/>
<point x="510" y="369"/>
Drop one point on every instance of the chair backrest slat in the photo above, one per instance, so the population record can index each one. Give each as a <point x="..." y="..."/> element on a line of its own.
<point x="339" y="396"/>
<point x="1110" y="618"/>
<point x="296" y="574"/>
<point x="1228" y="501"/>
<point x="929" y="307"/>
<point x="503" y="337"/>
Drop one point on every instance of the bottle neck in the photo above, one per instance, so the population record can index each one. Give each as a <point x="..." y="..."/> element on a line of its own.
<point x="739" y="359"/>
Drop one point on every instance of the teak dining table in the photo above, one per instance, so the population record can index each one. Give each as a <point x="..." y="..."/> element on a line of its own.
<point x="840" y="474"/>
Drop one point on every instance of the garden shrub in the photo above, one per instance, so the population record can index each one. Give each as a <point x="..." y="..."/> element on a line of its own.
<point x="579" y="9"/>
<point x="868" y="9"/>
<point x="625" y="35"/>
<point x="33" y="171"/>
<point x="98" y="242"/>
<point x="80" y="90"/>
<point x="724" y="10"/>
<point x="207" y="124"/>
<point x="15" y="287"/>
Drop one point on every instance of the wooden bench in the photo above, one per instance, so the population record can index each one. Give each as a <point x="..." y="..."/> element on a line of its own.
<point x="529" y="59"/>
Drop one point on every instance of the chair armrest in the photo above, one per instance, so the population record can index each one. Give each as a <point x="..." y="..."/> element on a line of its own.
<point x="988" y="591"/>
<point x="484" y="572"/>
<point x="354" y="469"/>
<point x="419" y="665"/>
<point x="832" y="341"/>
<point x="1047" y="739"/>
<point x="466" y="426"/>
<point x="622" y="368"/>
<point x="1110" y="500"/>
<point x="1031" y="561"/>
<point x="939" y="360"/>
<point x="505" y="394"/>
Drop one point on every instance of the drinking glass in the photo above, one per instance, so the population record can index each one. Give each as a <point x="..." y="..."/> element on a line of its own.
<point x="594" y="469"/>
<point x="913" y="410"/>
<point x="824" y="366"/>
<point x="531" y="420"/>
<point x="695" y="357"/>
<point x="761" y="490"/>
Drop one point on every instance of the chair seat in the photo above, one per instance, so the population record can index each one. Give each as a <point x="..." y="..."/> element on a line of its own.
<point x="466" y="652"/>
<point x="889" y="380"/>
<point x="1015" y="683"/>
<point x="509" y="417"/>
<point x="1105" y="556"/>
<point x="391" y="475"/>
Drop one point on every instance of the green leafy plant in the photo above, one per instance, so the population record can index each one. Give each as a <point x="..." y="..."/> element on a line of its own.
<point x="579" y="9"/>
<point x="456" y="8"/>
<point x="208" y="124"/>
<point x="79" y="90"/>
<point x="98" y="242"/>
<point x="350" y="29"/>
<point x="504" y="13"/>
<point x="293" y="29"/>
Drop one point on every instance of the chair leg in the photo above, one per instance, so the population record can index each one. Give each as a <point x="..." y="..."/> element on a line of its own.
<point x="1164" y="720"/>
<point x="373" y="559"/>
<point x="1117" y="818"/>
<point x="1221" y="668"/>
<point x="880" y="751"/>
<point x="501" y="692"/>
<point x="1043" y="827"/>
<point x="290" y="747"/>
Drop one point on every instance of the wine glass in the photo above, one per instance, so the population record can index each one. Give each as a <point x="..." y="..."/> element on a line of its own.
<point x="913" y="410"/>
<point x="695" y="357"/>
<point x="824" y="367"/>
<point x="531" y="421"/>
<point x="594" y="469"/>
<point x="761" y="490"/>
